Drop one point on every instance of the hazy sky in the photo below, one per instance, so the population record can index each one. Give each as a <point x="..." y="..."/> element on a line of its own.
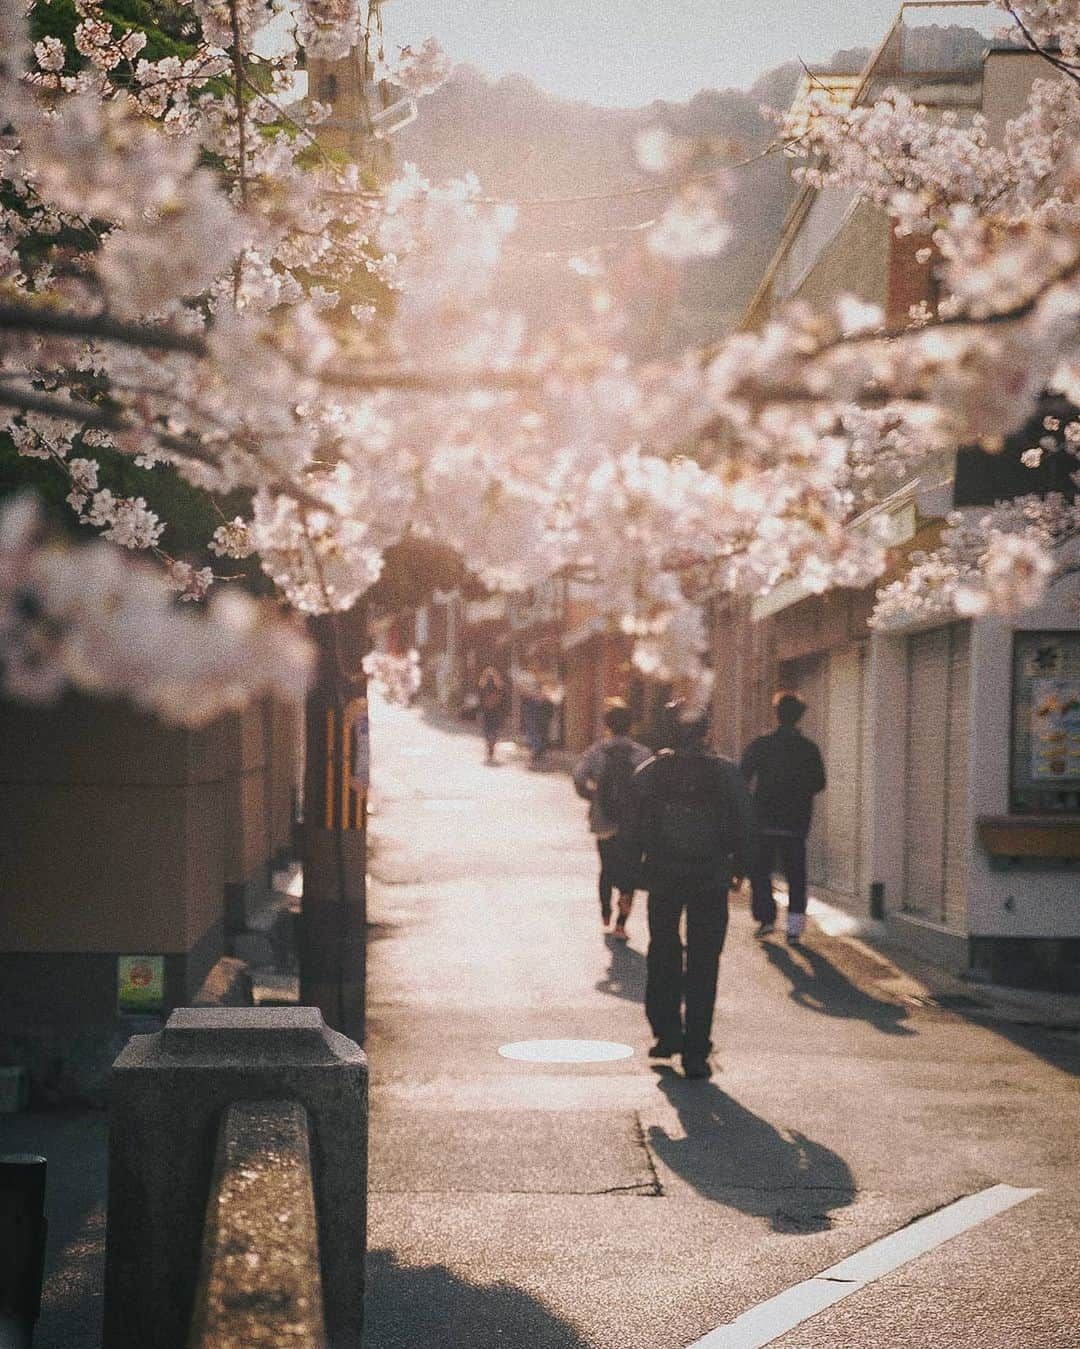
<point x="629" y="52"/>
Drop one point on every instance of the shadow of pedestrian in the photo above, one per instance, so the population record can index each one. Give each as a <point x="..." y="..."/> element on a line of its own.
<point x="816" y="983"/>
<point x="738" y="1159"/>
<point x="427" y="1305"/>
<point x="625" y="975"/>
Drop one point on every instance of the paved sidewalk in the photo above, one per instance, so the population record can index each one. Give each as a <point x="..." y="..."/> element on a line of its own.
<point x="614" y="1206"/>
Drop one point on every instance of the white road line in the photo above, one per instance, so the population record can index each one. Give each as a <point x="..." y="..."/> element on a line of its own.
<point x="769" y="1320"/>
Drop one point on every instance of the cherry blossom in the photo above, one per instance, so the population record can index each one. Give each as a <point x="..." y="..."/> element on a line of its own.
<point x="396" y="677"/>
<point x="187" y="276"/>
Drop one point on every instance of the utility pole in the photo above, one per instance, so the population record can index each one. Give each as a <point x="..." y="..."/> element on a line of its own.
<point x="333" y="914"/>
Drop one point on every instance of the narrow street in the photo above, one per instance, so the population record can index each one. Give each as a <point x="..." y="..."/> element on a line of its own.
<point x="612" y="1205"/>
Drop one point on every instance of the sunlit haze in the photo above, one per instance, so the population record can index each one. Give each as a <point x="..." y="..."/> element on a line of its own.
<point x="629" y="52"/>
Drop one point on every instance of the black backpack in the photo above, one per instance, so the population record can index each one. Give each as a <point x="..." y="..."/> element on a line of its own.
<point x="691" y="821"/>
<point x="615" y="785"/>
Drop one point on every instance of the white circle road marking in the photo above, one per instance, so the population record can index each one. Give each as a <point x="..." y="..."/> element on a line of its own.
<point x="566" y="1051"/>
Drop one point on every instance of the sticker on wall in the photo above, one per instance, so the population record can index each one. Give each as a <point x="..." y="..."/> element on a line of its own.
<point x="1043" y="660"/>
<point x="1055" y="729"/>
<point x="140" y="983"/>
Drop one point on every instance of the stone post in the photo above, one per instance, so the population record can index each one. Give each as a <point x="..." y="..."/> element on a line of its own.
<point x="169" y="1092"/>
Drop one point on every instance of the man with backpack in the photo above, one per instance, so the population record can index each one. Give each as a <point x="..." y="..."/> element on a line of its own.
<point x="694" y="825"/>
<point x="786" y="771"/>
<point x="604" y="776"/>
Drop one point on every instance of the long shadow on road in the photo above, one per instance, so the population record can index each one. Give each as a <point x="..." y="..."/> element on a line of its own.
<point x="410" y="1306"/>
<point x="625" y="974"/>
<point x="817" y="984"/>
<point x="738" y="1159"/>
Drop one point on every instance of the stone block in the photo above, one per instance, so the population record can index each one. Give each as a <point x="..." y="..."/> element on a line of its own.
<point x="169" y="1092"/>
<point x="259" y="1282"/>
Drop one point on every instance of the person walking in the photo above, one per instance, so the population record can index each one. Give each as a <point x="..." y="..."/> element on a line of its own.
<point x="491" y="700"/>
<point x="694" y="825"/>
<point x="784" y="771"/>
<point x="604" y="776"/>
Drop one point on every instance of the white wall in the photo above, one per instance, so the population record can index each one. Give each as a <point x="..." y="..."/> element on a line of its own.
<point x="1021" y="901"/>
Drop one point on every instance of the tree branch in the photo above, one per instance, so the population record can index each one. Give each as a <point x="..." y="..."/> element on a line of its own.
<point x="435" y="380"/>
<point x="56" y="323"/>
<point x="1059" y="63"/>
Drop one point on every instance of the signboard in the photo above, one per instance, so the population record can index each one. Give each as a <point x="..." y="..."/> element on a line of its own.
<point x="140" y="983"/>
<point x="1055" y="729"/>
<point x="1046" y="723"/>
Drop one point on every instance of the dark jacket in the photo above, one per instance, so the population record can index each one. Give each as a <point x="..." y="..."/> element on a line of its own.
<point x="785" y="772"/>
<point x="676" y="773"/>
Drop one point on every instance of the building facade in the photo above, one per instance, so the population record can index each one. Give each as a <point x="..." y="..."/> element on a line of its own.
<point x="947" y="816"/>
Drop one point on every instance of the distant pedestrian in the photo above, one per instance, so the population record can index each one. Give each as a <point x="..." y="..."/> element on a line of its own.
<point x="537" y="711"/>
<point x="492" y="700"/>
<point x="785" y="772"/>
<point x="694" y="825"/>
<point x="604" y="776"/>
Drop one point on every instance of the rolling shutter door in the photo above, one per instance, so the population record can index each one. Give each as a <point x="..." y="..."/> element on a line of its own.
<point x="924" y="794"/>
<point x="957" y="827"/>
<point x="935" y="814"/>
<point x="841" y="805"/>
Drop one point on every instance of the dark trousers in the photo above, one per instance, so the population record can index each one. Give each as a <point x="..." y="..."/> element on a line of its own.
<point x="680" y="986"/>
<point x="616" y="867"/>
<point x="789" y="850"/>
<point x="492" y="724"/>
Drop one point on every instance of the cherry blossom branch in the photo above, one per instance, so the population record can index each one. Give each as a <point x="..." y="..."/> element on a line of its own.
<point x="434" y="380"/>
<point x="1014" y="314"/>
<point x="34" y="319"/>
<point x="298" y="127"/>
<point x="1066" y="67"/>
<point x="92" y="417"/>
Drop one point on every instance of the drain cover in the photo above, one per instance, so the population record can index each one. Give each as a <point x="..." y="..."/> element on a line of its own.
<point x="566" y="1051"/>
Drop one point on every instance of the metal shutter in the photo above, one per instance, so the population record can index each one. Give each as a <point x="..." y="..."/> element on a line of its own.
<point x="924" y="791"/>
<point x="841" y="805"/>
<point x="935" y="794"/>
<point x="957" y="827"/>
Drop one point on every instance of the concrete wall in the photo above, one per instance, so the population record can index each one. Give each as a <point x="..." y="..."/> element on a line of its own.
<point x="244" y="743"/>
<point x="119" y="836"/>
<point x="114" y="833"/>
<point x="284" y="771"/>
<point x="855" y="260"/>
<point x="1034" y="900"/>
<point x="1007" y="80"/>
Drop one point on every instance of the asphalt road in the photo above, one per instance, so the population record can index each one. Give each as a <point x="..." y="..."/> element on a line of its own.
<point x="614" y="1206"/>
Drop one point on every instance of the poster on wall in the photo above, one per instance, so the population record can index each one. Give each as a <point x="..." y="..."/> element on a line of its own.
<point x="140" y="983"/>
<point x="1055" y="729"/>
<point x="1046" y="722"/>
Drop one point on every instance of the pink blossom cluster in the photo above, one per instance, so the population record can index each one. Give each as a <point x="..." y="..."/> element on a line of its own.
<point x="187" y="265"/>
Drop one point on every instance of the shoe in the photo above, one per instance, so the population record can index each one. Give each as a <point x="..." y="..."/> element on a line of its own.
<point x="620" y="933"/>
<point x="764" y="929"/>
<point x="660" y="1050"/>
<point x="796" y="926"/>
<point x="696" y="1066"/>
